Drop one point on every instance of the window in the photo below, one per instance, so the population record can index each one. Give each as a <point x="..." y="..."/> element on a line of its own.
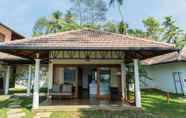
<point x="69" y="75"/>
<point x="2" y="37"/>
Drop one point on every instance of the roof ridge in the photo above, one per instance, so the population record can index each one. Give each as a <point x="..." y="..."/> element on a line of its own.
<point x="134" y="37"/>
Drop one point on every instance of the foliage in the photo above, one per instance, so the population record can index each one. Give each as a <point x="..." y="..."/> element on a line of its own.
<point x="136" y="32"/>
<point x="56" y="22"/>
<point x="153" y="28"/>
<point x="181" y="41"/>
<point x="142" y="72"/>
<point x="90" y="11"/>
<point x="69" y="17"/>
<point x="172" y="31"/>
<point x="3" y="113"/>
<point x="122" y="27"/>
<point x="110" y="27"/>
<point x="119" y="4"/>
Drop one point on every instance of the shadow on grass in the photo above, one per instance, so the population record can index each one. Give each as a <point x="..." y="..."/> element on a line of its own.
<point x="23" y="102"/>
<point x="103" y="114"/>
<point x="154" y="104"/>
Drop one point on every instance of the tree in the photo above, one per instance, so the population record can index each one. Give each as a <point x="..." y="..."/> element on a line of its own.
<point x="119" y="4"/>
<point x="136" y="32"/>
<point x="153" y="29"/>
<point x="122" y="27"/>
<point x="90" y="11"/>
<point x="41" y="27"/>
<point x="51" y="24"/>
<point x="69" y="17"/>
<point x="110" y="27"/>
<point x="181" y="41"/>
<point x="172" y="31"/>
<point x="54" y="23"/>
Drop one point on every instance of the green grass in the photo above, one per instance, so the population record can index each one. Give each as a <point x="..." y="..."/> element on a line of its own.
<point x="23" y="90"/>
<point x="17" y="90"/>
<point x="3" y="113"/>
<point x="154" y="106"/>
<point x="102" y="114"/>
<point x="25" y="103"/>
<point x="155" y="102"/>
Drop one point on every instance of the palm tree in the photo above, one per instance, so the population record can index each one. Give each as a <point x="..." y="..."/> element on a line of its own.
<point x="122" y="27"/>
<point x="181" y="41"/>
<point x="153" y="28"/>
<point x="51" y="24"/>
<point x="69" y="16"/>
<point x="172" y="31"/>
<point x="119" y="3"/>
<point x="55" y="21"/>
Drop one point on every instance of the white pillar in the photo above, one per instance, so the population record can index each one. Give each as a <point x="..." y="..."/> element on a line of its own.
<point x="36" y="84"/>
<point x="137" y="84"/>
<point x="50" y="75"/>
<point x="123" y="80"/>
<point x="7" y="79"/>
<point x="29" y="79"/>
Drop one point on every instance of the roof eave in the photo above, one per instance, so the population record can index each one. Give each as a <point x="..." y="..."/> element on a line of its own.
<point x="31" y="48"/>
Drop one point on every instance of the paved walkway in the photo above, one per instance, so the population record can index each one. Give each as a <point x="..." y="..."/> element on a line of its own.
<point x="42" y="115"/>
<point x="18" y="113"/>
<point x="15" y="113"/>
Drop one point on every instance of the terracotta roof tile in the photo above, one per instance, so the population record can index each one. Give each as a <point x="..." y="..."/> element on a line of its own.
<point x="86" y="39"/>
<point x="167" y="58"/>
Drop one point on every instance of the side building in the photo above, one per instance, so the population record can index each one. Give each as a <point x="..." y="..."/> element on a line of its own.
<point x="167" y="72"/>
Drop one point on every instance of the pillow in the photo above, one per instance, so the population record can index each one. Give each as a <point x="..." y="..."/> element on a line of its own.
<point x="67" y="88"/>
<point x="56" y="88"/>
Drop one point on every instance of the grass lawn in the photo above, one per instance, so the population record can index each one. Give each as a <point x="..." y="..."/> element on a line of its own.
<point x="153" y="101"/>
<point x="154" y="104"/>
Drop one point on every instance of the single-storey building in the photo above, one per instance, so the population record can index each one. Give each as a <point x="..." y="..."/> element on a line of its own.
<point x="86" y="64"/>
<point x="167" y="72"/>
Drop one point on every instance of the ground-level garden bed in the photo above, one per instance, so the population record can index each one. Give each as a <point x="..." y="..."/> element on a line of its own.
<point x="154" y="103"/>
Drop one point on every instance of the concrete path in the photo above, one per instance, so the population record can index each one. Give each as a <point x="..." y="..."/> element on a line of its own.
<point x="15" y="113"/>
<point x="42" y="115"/>
<point x="18" y="113"/>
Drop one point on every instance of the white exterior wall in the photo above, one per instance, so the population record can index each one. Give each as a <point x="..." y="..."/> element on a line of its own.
<point x="162" y="77"/>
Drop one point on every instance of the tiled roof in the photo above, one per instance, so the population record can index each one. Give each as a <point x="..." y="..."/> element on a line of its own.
<point x="86" y="39"/>
<point x="167" y="58"/>
<point x="14" y="33"/>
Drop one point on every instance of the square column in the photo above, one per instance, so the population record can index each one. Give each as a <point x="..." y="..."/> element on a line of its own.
<point x="36" y="85"/>
<point x="123" y="81"/>
<point x="7" y="79"/>
<point x="29" y="80"/>
<point x="137" y="83"/>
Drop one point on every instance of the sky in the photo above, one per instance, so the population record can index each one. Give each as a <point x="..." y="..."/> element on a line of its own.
<point x="21" y="15"/>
